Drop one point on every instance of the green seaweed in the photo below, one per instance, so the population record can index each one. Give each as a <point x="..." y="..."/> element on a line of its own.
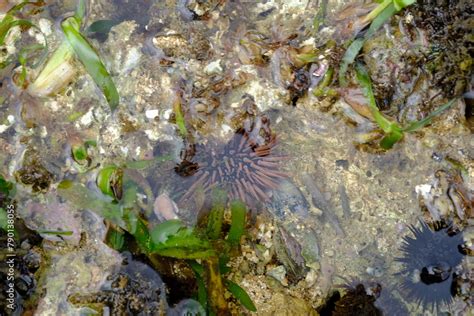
<point x="173" y="239"/>
<point x="393" y="131"/>
<point x="179" y="117"/>
<point x="101" y="26"/>
<point x="377" y="17"/>
<point x="55" y="232"/>
<point x="109" y="181"/>
<point x="416" y="125"/>
<point x="3" y="219"/>
<point x="79" y="153"/>
<point x="323" y="88"/>
<point x="241" y="295"/>
<point x="202" y="291"/>
<point x="9" y="22"/>
<point x="84" y="198"/>
<point x="6" y="191"/>
<point x="23" y="57"/>
<point x="91" y="61"/>
<point x="48" y="75"/>
<point x="237" y="227"/>
<point x="320" y="17"/>
<point x="6" y="187"/>
<point x="216" y="215"/>
<point x="356" y="45"/>
<point x="115" y="238"/>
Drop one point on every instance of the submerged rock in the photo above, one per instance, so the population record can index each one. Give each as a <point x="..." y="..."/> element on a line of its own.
<point x="187" y="307"/>
<point x="33" y="172"/>
<point x="135" y="289"/>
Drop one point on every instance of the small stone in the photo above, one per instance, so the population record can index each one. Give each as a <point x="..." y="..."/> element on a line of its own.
<point x="343" y="163"/>
<point x="279" y="274"/>
<point x="165" y="208"/>
<point x="311" y="278"/>
<point x="151" y="114"/>
<point x="167" y="114"/>
<point x="330" y="253"/>
<point x="213" y="67"/>
<point x="374" y="271"/>
<point x="87" y="118"/>
<point x="3" y="128"/>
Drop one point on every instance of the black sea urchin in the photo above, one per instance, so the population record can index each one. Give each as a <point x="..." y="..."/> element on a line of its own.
<point x="378" y="292"/>
<point x="429" y="259"/>
<point x="358" y="301"/>
<point x="246" y="171"/>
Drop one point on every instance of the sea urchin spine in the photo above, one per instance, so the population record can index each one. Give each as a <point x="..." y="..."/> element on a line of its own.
<point x="429" y="259"/>
<point x="245" y="170"/>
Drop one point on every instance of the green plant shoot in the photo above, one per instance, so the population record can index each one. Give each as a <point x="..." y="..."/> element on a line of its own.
<point x="216" y="215"/>
<point x="237" y="228"/>
<point x="381" y="14"/>
<point x="91" y="61"/>
<point x="393" y="131"/>
<point x="240" y="295"/>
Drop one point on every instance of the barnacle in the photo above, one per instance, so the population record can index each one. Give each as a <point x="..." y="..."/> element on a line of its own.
<point x="429" y="259"/>
<point x="243" y="168"/>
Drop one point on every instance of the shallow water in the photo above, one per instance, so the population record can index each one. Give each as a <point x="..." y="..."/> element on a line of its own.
<point x="340" y="207"/>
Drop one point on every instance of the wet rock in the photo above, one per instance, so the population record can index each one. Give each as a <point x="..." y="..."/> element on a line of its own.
<point x="54" y="217"/>
<point x="282" y="305"/>
<point x="165" y="208"/>
<point x="134" y="289"/>
<point x="187" y="307"/>
<point x="288" y="252"/>
<point x="320" y="202"/>
<point x="137" y="10"/>
<point x="288" y="200"/>
<point x="446" y="24"/>
<point x="356" y="301"/>
<point x="345" y="202"/>
<point x="279" y="274"/>
<point x="20" y="270"/>
<point x="446" y="198"/>
<point x="82" y="268"/>
<point x="33" y="172"/>
<point x="421" y="61"/>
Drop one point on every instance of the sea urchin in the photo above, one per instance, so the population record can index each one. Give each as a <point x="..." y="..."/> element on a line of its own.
<point x="429" y="259"/>
<point x="246" y="171"/>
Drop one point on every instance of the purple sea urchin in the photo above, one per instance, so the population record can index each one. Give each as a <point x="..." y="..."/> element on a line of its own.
<point x="429" y="259"/>
<point x="245" y="170"/>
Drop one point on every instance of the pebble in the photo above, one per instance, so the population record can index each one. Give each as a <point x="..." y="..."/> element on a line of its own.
<point x="279" y="274"/>
<point x="151" y="114"/>
<point x="213" y="68"/>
